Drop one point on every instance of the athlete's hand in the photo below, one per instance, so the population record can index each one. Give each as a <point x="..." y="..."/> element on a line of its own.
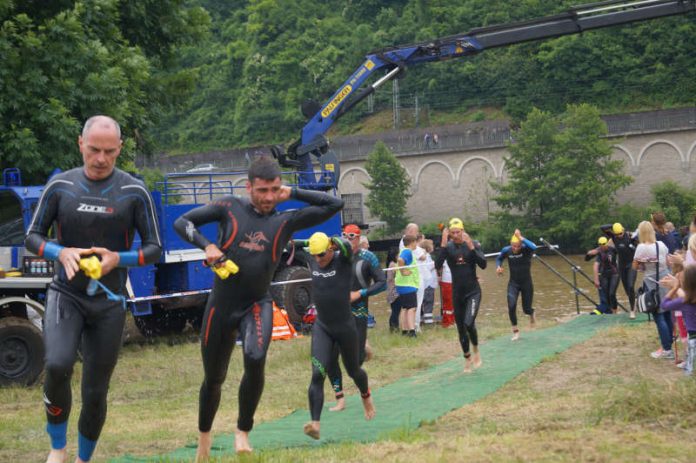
<point x="212" y="254"/>
<point x="109" y="259"/>
<point x="467" y="240"/>
<point x="70" y="259"/>
<point x="518" y="234"/>
<point x="284" y="193"/>
<point x="499" y="271"/>
<point x="445" y="237"/>
<point x="355" y="296"/>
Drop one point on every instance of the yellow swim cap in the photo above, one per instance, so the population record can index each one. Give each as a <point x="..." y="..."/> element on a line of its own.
<point x="514" y="239"/>
<point x="602" y="240"/>
<point x="456" y="224"/>
<point x="617" y="228"/>
<point x="318" y="243"/>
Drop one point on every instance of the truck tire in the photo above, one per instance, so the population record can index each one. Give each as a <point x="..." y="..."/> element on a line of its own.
<point x="21" y="351"/>
<point x="295" y="298"/>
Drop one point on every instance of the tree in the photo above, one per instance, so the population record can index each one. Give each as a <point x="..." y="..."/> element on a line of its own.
<point x="677" y="202"/>
<point x="74" y="59"/>
<point x="562" y="179"/>
<point x="389" y="188"/>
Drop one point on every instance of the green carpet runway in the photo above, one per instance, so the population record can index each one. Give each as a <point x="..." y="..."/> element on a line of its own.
<point x="401" y="405"/>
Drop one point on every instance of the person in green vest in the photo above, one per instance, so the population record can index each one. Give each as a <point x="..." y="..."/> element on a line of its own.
<point x="407" y="282"/>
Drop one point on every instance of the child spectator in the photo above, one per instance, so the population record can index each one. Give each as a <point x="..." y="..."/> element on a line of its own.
<point x="682" y="297"/>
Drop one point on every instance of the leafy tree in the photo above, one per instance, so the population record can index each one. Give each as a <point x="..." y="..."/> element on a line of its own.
<point x="677" y="202"/>
<point x="389" y="188"/>
<point x="562" y="179"/>
<point x="74" y="59"/>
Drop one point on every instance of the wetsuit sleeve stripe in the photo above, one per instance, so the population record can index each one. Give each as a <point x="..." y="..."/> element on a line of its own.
<point x="274" y="254"/>
<point x="150" y="209"/>
<point x="46" y="211"/>
<point x="345" y="248"/>
<point x="229" y="242"/>
<point x="503" y="254"/>
<point x="129" y="259"/>
<point x="50" y="250"/>
<point x="187" y="225"/>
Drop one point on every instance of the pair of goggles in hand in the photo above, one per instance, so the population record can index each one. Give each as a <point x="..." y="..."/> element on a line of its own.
<point x="92" y="267"/>
<point x="224" y="268"/>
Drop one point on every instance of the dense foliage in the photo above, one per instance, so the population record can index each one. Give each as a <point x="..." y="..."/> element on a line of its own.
<point x="63" y="61"/>
<point x="561" y="176"/>
<point x="389" y="187"/>
<point x="264" y="58"/>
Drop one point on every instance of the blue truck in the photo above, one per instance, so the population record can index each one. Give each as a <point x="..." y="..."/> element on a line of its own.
<point x="164" y="297"/>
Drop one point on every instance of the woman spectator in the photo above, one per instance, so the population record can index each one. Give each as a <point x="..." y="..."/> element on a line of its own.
<point x="662" y="233"/>
<point x="651" y="258"/>
<point x="392" y="295"/>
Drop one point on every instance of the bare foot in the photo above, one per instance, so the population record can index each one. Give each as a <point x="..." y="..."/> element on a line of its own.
<point x="340" y="405"/>
<point x="515" y="335"/>
<point x="369" y="408"/>
<point x="632" y="314"/>
<point x="532" y="321"/>
<point x="205" y="442"/>
<point x="241" y="442"/>
<point x="476" y="359"/>
<point x="467" y="365"/>
<point x="312" y="429"/>
<point x="369" y="353"/>
<point x="57" y="456"/>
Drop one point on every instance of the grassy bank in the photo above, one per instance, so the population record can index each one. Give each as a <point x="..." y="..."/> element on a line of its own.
<point x="604" y="400"/>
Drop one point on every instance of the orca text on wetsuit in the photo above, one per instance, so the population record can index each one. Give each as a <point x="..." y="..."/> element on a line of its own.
<point x="368" y="278"/>
<point x="241" y="303"/>
<point x="335" y="325"/>
<point x="88" y="213"/>
<point x="466" y="291"/>
<point x="520" y="277"/>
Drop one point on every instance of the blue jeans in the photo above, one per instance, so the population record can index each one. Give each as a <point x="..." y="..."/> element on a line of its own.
<point x="665" y="327"/>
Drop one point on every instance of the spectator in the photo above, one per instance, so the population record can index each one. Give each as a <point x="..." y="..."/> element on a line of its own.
<point x="436" y="140"/>
<point x="446" y="307"/>
<point x="430" y="282"/>
<point x="407" y="280"/>
<point x="659" y="223"/>
<point x="364" y="243"/>
<point x="651" y="258"/>
<point x="392" y="294"/>
<point x="682" y="297"/>
<point x="426" y="140"/>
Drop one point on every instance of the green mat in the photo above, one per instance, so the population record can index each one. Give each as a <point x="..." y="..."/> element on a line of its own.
<point x="409" y="401"/>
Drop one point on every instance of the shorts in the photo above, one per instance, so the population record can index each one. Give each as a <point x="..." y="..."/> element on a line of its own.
<point x="409" y="300"/>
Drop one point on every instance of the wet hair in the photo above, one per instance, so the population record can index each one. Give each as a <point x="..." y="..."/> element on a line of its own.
<point x="689" y="284"/>
<point x="408" y="239"/>
<point x="264" y="168"/>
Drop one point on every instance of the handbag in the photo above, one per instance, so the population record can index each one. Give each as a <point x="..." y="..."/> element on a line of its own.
<point x="648" y="300"/>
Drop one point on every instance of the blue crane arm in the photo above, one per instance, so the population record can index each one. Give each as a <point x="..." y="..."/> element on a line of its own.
<point x="395" y="60"/>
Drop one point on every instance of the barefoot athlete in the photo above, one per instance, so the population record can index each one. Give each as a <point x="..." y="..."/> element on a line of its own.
<point x="519" y="255"/>
<point x="368" y="279"/>
<point x="463" y="255"/>
<point x="95" y="210"/>
<point x="335" y="324"/>
<point x="252" y="234"/>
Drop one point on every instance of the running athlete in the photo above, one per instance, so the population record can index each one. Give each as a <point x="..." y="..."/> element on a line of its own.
<point x="252" y="234"/>
<point x="335" y="325"/>
<point x="606" y="272"/>
<point x="368" y="279"/>
<point x="625" y="245"/>
<point x="463" y="254"/>
<point x="94" y="210"/>
<point x="519" y="254"/>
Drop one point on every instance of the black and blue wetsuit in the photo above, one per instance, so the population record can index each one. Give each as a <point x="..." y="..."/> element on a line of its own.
<point x="335" y="325"/>
<point x="625" y="245"/>
<point x="520" y="278"/>
<point x="368" y="278"/>
<point x="241" y="303"/>
<point x="88" y="213"/>
<point x="608" y="275"/>
<point x="466" y="291"/>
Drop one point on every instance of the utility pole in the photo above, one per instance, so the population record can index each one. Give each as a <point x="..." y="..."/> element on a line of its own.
<point x="395" y="101"/>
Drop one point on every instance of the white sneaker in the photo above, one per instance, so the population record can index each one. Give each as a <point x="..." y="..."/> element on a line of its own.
<point x="662" y="354"/>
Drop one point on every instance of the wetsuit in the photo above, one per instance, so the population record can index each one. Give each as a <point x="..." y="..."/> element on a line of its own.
<point x="241" y="303"/>
<point x="520" y="278"/>
<point x="368" y="278"/>
<point x="466" y="291"/>
<point x="608" y="274"/>
<point x="335" y="325"/>
<point x="86" y="213"/>
<point x="625" y="248"/>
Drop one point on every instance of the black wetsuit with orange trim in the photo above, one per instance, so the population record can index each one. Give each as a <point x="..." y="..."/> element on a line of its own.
<point x="241" y="303"/>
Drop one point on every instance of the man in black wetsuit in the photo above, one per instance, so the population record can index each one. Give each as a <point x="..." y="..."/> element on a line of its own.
<point x="625" y="245"/>
<point x="606" y="273"/>
<point x="368" y="279"/>
<point x="252" y="234"/>
<point x="94" y="210"/>
<point x="331" y="291"/>
<point x="463" y="255"/>
<point x="519" y="255"/>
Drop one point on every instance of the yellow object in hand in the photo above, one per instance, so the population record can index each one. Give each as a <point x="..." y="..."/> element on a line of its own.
<point x="92" y="267"/>
<point x="226" y="269"/>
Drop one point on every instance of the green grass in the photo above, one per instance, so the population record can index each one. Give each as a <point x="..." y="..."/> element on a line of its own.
<point x="603" y="400"/>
